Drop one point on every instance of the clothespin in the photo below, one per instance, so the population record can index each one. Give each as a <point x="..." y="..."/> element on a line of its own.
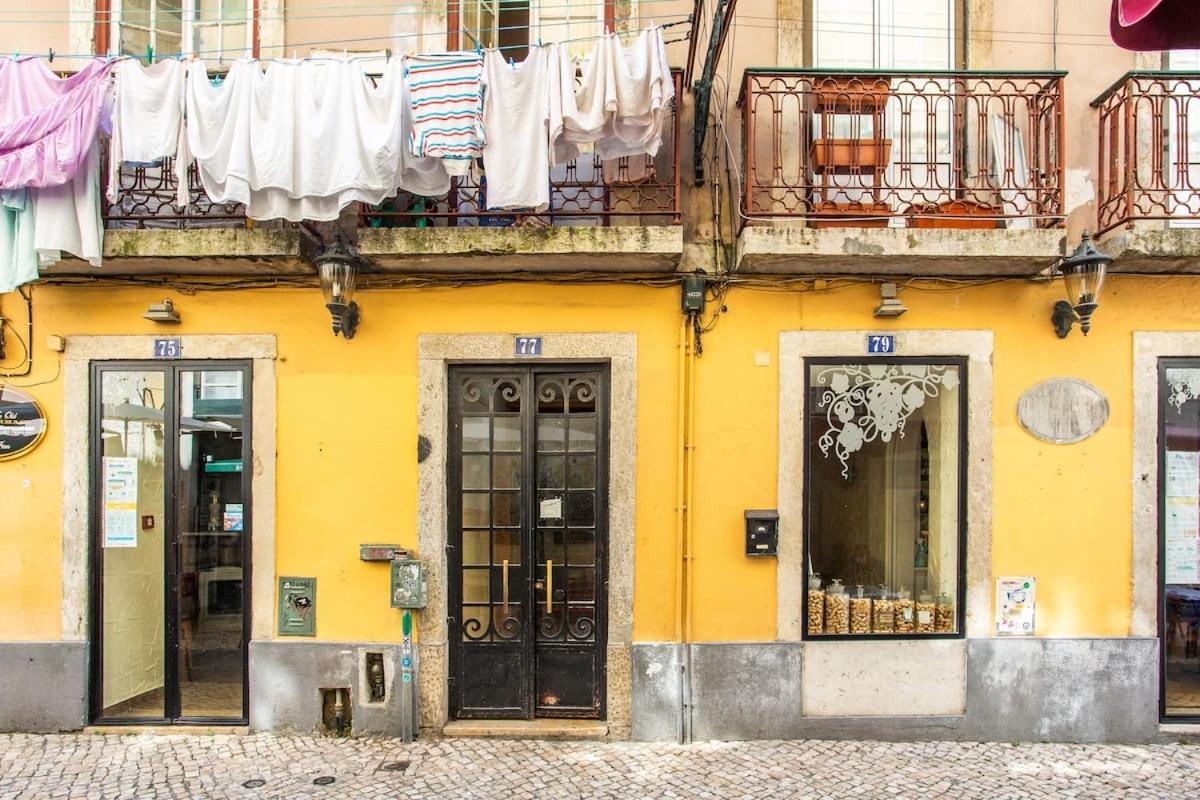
<point x="149" y="54"/>
<point x="51" y="55"/>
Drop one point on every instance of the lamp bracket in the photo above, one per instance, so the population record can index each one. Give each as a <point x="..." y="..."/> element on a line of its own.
<point x="1063" y="318"/>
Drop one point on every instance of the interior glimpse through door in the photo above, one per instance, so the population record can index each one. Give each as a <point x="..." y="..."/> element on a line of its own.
<point x="527" y="541"/>
<point x="171" y="528"/>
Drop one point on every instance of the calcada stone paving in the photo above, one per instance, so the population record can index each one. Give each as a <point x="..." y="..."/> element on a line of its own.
<point x="275" y="766"/>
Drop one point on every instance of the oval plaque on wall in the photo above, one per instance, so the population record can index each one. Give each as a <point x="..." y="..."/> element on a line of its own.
<point x="22" y="423"/>
<point x="1062" y="410"/>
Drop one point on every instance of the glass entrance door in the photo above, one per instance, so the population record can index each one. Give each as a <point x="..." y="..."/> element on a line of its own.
<point x="528" y="536"/>
<point x="1179" y="536"/>
<point x="171" y="526"/>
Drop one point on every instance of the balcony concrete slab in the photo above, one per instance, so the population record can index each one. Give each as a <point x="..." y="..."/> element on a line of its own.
<point x="1145" y="250"/>
<point x="793" y="249"/>
<point x="620" y="248"/>
<point x="204" y="251"/>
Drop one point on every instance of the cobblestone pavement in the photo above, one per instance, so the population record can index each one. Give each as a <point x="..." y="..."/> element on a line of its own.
<point x="151" y="766"/>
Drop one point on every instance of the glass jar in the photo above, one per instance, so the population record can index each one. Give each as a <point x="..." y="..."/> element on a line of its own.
<point x="905" y="612"/>
<point x="860" y="612"/>
<point x="943" y="621"/>
<point x="883" y="613"/>
<point x="926" y="609"/>
<point x="816" y="605"/>
<point x="837" y="608"/>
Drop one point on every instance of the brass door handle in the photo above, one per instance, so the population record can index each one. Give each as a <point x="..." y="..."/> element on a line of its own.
<point x="549" y="586"/>
<point x="504" y="585"/>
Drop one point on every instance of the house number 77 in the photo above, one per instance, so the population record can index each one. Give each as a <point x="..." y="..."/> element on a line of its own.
<point x="527" y="345"/>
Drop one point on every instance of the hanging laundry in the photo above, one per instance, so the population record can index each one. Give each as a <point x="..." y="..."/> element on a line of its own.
<point x="619" y="103"/>
<point x="148" y="121"/>
<point x="18" y="259"/>
<point x="418" y="175"/>
<point x="47" y="123"/>
<point x="447" y="103"/>
<point x="67" y="218"/>
<point x="516" y="120"/>
<point x="300" y="141"/>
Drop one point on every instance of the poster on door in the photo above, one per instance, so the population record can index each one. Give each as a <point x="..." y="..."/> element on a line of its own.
<point x="1181" y="518"/>
<point x="120" y="501"/>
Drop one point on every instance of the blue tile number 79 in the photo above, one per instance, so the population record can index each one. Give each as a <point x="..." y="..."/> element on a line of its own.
<point x="881" y="344"/>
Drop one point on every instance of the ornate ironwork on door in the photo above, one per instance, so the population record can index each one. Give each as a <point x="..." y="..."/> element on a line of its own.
<point x="528" y="535"/>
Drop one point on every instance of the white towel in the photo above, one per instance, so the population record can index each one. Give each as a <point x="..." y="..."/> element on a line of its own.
<point x="516" y="158"/>
<point x="148" y="121"/>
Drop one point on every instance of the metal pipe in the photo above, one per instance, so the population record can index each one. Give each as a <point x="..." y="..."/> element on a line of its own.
<point x="689" y="528"/>
<point x="680" y="565"/>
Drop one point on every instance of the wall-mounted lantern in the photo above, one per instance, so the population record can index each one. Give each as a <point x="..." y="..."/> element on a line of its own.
<point x="1083" y="273"/>
<point x="336" y="267"/>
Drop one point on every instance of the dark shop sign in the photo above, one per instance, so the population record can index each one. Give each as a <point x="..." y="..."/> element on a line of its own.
<point x="22" y="423"/>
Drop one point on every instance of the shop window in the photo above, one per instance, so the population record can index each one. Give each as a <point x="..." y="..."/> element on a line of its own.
<point x="885" y="522"/>
<point x="215" y="30"/>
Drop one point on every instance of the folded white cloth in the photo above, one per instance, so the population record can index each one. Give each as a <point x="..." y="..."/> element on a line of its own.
<point x="147" y="123"/>
<point x="516" y="157"/>
<point x="67" y="218"/>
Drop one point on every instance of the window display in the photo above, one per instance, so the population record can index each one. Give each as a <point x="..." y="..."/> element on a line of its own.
<point x="884" y="524"/>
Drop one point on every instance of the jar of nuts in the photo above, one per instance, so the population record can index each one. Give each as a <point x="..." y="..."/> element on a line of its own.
<point x="837" y="608"/>
<point x="943" y="621"/>
<point x="860" y="612"/>
<point x="926" y="609"/>
<point x="883" y="616"/>
<point x="905" y="612"/>
<point x="816" y="605"/>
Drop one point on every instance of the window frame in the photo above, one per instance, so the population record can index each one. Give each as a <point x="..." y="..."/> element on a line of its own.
<point x="961" y="588"/>
<point x="456" y="19"/>
<point x="959" y="41"/>
<point x="107" y="32"/>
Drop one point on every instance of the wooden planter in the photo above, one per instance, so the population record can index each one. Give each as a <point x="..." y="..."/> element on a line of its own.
<point x="851" y="155"/>
<point x="961" y="214"/>
<point x="880" y="211"/>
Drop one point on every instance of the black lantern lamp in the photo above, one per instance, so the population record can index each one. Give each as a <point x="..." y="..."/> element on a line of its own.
<point x="336" y="267"/>
<point x="1083" y="272"/>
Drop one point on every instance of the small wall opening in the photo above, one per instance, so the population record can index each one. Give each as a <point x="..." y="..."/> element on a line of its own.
<point x="376" y="672"/>
<point x="336" y="711"/>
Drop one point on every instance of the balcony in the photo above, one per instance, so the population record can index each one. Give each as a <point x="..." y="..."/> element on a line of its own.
<point x="623" y="216"/>
<point x="1148" y="183"/>
<point x="956" y="173"/>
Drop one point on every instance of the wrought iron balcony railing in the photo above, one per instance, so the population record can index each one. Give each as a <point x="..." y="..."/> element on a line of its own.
<point x="630" y="191"/>
<point x="1149" y="150"/>
<point x="903" y="149"/>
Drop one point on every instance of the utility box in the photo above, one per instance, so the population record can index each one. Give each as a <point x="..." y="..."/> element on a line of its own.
<point x="408" y="587"/>
<point x="693" y="294"/>
<point x="762" y="532"/>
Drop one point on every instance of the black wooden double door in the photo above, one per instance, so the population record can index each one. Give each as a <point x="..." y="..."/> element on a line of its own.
<point x="528" y="536"/>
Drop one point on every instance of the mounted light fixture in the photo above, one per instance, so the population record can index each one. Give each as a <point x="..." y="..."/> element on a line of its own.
<point x="1083" y="272"/>
<point x="162" y="312"/>
<point x="889" y="302"/>
<point x="336" y="267"/>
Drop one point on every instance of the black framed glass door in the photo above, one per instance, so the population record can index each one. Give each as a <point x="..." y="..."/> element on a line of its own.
<point x="527" y="495"/>
<point x="170" y="536"/>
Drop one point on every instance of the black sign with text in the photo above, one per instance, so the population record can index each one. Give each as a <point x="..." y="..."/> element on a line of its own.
<point x="22" y="423"/>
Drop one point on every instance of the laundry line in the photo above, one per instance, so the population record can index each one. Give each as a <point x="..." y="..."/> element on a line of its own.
<point x="686" y="19"/>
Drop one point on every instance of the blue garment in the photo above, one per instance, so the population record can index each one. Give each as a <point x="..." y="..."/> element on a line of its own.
<point x="18" y="258"/>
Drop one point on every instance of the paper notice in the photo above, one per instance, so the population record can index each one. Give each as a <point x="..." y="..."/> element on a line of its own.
<point x="1183" y="474"/>
<point x="550" y="508"/>
<point x="120" y="501"/>
<point x="1181" y="548"/>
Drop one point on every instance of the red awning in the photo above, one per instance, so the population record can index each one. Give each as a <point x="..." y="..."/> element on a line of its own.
<point x="1156" y="24"/>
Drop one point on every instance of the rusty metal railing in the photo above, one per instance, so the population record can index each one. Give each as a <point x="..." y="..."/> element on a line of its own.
<point x="639" y="190"/>
<point x="1149" y="166"/>
<point x="903" y="149"/>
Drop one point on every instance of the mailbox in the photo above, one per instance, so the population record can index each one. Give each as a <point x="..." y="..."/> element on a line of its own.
<point x="762" y="532"/>
<point x="408" y="589"/>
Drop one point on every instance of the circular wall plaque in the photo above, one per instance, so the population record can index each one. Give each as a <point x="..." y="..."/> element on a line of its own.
<point x="1062" y="410"/>
<point x="22" y="423"/>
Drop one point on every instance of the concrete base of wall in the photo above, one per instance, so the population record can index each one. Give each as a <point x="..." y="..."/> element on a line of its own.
<point x="43" y="686"/>
<point x="287" y="676"/>
<point x="1017" y="690"/>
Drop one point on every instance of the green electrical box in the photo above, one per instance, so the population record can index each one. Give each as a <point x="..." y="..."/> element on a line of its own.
<point x="297" y="606"/>
<point x="408" y="583"/>
<point x="693" y="294"/>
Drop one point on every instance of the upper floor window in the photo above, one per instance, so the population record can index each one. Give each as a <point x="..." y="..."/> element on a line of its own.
<point x="215" y="30"/>
<point x="885" y="34"/>
<point x="515" y="24"/>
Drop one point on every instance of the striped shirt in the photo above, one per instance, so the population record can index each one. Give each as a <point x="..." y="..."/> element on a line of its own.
<point x="447" y="107"/>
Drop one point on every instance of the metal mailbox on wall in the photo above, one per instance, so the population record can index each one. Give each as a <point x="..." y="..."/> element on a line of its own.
<point x="297" y="606"/>
<point x="408" y="589"/>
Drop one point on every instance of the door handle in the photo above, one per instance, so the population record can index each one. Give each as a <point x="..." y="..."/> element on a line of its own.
<point x="504" y="585"/>
<point x="549" y="586"/>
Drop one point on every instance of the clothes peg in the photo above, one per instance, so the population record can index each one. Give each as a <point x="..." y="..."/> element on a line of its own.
<point x="51" y="56"/>
<point x="149" y="54"/>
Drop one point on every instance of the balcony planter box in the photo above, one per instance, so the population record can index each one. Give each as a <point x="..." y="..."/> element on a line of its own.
<point x="845" y="94"/>
<point x="851" y="155"/>
<point x="875" y="215"/>
<point x="961" y="214"/>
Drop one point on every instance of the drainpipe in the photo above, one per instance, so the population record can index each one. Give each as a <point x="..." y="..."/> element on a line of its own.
<point x="680" y="498"/>
<point x="685" y="528"/>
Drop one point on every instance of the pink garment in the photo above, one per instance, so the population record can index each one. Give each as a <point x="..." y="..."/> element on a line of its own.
<point x="47" y="123"/>
<point x="1134" y="11"/>
<point x="1150" y="25"/>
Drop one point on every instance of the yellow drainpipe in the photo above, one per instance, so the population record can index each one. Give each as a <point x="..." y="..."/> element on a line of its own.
<point x="680" y="472"/>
